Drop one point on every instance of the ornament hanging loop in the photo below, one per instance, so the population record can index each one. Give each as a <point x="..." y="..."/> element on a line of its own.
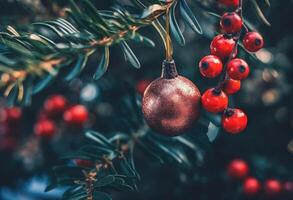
<point x="169" y="48"/>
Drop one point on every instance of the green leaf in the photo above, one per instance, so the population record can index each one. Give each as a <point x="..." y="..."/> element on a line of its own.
<point x="152" y="153"/>
<point x="268" y="2"/>
<point x="138" y="3"/>
<point x="146" y="41"/>
<point x="131" y="161"/>
<point x="127" y="169"/>
<point x="94" y="13"/>
<point x="168" y="151"/>
<point x="73" y="191"/>
<point x="27" y="91"/>
<point x="44" y="82"/>
<point x="120" y="137"/>
<point x="175" y="29"/>
<point x="78" y="67"/>
<point x="76" y="192"/>
<point x="129" y="55"/>
<point x="10" y="99"/>
<point x="99" y="138"/>
<point x="97" y="151"/>
<point x="260" y="13"/>
<point x="186" y="142"/>
<point x="213" y="132"/>
<point x="51" y="27"/>
<point x="120" y="184"/>
<point x="214" y="14"/>
<point x="51" y="187"/>
<point x="107" y="180"/>
<point x="189" y="17"/>
<point x="103" y="65"/>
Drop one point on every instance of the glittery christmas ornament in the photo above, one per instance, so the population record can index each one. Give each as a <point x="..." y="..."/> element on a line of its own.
<point x="171" y="103"/>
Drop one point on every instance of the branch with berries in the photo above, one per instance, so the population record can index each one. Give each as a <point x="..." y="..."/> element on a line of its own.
<point x="223" y="61"/>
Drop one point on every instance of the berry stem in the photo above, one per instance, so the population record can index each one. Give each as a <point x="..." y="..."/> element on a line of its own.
<point x="236" y="38"/>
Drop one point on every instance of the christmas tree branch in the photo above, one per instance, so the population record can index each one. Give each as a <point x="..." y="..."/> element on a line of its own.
<point x="34" y="56"/>
<point x="112" y="164"/>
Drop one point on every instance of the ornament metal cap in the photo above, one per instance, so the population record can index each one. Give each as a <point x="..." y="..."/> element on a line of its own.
<point x="169" y="70"/>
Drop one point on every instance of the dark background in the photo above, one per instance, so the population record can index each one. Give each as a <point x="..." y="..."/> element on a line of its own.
<point x="266" y="96"/>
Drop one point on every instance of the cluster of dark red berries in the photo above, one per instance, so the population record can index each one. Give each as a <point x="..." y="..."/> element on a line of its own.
<point x="10" y="126"/>
<point x="56" y="107"/>
<point x="223" y="61"/>
<point x="239" y="170"/>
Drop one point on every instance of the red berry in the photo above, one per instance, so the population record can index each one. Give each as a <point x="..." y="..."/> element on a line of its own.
<point x="231" y="22"/>
<point x="142" y="86"/>
<point x="222" y="47"/>
<point x="272" y="187"/>
<point x="229" y="3"/>
<point x="210" y="66"/>
<point x="232" y="86"/>
<point x="83" y="163"/>
<point x="55" y="105"/>
<point x="76" y="115"/>
<point x="45" y="128"/>
<point x="238" y="169"/>
<point x="251" y="186"/>
<point x="253" y="41"/>
<point x="234" y="121"/>
<point x="238" y="69"/>
<point x="13" y="114"/>
<point x="214" y="100"/>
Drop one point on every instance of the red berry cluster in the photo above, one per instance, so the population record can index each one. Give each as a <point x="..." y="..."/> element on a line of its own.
<point x="56" y="107"/>
<point x="10" y="126"/>
<point x="239" y="170"/>
<point x="223" y="61"/>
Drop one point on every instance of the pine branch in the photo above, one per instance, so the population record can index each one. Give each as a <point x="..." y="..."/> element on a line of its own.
<point x="113" y="163"/>
<point x="33" y="55"/>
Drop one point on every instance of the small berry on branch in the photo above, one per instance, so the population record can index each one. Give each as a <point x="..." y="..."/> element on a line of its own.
<point x="238" y="169"/>
<point x="253" y="41"/>
<point x="214" y="100"/>
<point x="231" y="86"/>
<point x="251" y="186"/>
<point x="234" y="120"/>
<point x="231" y="23"/>
<point x="223" y="46"/>
<point x="45" y="128"/>
<point x="238" y="69"/>
<point x="55" y="105"/>
<point x="76" y="115"/>
<point x="272" y="187"/>
<point x="210" y="66"/>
